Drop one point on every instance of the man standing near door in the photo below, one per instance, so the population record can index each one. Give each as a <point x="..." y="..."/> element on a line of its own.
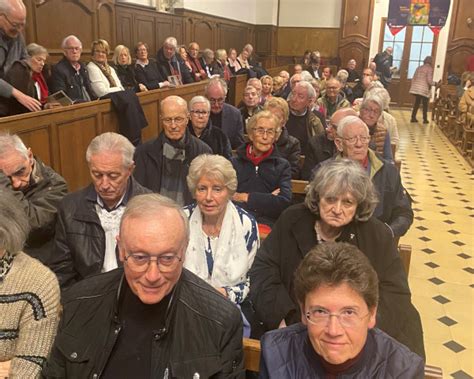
<point x="384" y="66"/>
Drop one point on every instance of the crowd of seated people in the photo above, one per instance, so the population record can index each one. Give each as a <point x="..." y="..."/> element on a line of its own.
<point x="167" y="233"/>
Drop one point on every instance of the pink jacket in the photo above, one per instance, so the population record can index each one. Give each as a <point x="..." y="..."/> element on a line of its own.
<point x="422" y="81"/>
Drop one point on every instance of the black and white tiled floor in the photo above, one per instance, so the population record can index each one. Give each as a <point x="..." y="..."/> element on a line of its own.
<point x="441" y="276"/>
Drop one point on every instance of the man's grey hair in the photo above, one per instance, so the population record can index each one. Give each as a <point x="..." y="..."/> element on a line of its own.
<point x="207" y="53"/>
<point x="14" y="225"/>
<point x="348" y="121"/>
<point x="197" y="100"/>
<point x="336" y="178"/>
<point x="153" y="205"/>
<point x="284" y="74"/>
<point x="7" y="6"/>
<point x="306" y="76"/>
<point x="216" y="82"/>
<point x="342" y="76"/>
<point x="9" y="142"/>
<point x="71" y="36"/>
<point x="171" y="41"/>
<point x="212" y="166"/>
<point x="111" y="142"/>
<point x="248" y="47"/>
<point x="309" y="89"/>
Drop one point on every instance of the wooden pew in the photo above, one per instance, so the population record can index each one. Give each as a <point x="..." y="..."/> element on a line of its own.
<point x="405" y="256"/>
<point x="60" y="136"/>
<point x="252" y="350"/>
<point x="299" y="186"/>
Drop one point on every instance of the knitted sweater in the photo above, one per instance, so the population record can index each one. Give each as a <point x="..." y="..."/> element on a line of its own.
<point x="29" y="313"/>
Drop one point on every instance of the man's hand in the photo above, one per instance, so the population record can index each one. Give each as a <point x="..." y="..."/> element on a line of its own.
<point x="5" y="369"/>
<point x="52" y="105"/>
<point x="241" y="197"/>
<point x="142" y="87"/>
<point x="276" y="192"/>
<point x="28" y="102"/>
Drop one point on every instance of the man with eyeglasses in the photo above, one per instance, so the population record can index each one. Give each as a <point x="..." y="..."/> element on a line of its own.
<point x="152" y="318"/>
<point x="223" y="115"/>
<point x="394" y="206"/>
<point x="12" y="49"/>
<point x="338" y="293"/>
<point x="38" y="188"/>
<point x="333" y="99"/>
<point x="70" y="74"/>
<point x="88" y="219"/>
<point x="163" y="163"/>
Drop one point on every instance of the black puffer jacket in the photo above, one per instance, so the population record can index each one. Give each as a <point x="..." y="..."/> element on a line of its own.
<point x="289" y="148"/>
<point x="293" y="236"/>
<point x="288" y="354"/>
<point x="80" y="240"/>
<point x="202" y="334"/>
<point x="260" y="181"/>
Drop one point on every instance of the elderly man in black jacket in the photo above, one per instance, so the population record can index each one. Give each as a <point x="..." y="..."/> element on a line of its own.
<point x="170" y="63"/>
<point x="88" y="219"/>
<point x="163" y="163"/>
<point x="151" y="319"/>
<point x="38" y="188"/>
<point x="70" y="75"/>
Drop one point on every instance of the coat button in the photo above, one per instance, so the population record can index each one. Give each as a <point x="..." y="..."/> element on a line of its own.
<point x="95" y="376"/>
<point x="73" y="355"/>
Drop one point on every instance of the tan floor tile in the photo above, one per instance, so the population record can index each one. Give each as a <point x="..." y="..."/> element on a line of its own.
<point x="466" y="358"/>
<point x="458" y="293"/>
<point x="422" y="287"/>
<point x="420" y="270"/>
<point x="441" y="356"/>
<point x="428" y="308"/>
<point x="453" y="276"/>
<point x="463" y="334"/>
<point x="436" y="330"/>
<point x="461" y="312"/>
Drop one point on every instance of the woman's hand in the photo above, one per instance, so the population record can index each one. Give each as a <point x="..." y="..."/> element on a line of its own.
<point x="52" y="105"/>
<point x="142" y="87"/>
<point x="5" y="369"/>
<point x="241" y="197"/>
<point x="276" y="192"/>
<point x="222" y="291"/>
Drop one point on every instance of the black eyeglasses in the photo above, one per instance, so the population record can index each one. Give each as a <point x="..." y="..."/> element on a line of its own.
<point x="15" y="25"/>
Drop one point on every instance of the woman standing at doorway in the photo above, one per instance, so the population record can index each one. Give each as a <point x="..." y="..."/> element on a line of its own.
<point x="420" y="87"/>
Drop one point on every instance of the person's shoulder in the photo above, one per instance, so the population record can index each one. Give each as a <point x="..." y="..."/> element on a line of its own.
<point x="147" y="146"/>
<point x="278" y="338"/>
<point x="397" y="357"/>
<point x="95" y="286"/>
<point x="199" y="146"/>
<point x="204" y="300"/>
<point x="34" y="269"/>
<point x="375" y="228"/>
<point x="246" y="217"/>
<point x="228" y="108"/>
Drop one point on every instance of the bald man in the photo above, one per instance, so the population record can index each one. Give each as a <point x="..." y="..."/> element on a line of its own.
<point x="322" y="147"/>
<point x="12" y="47"/>
<point x="162" y="164"/>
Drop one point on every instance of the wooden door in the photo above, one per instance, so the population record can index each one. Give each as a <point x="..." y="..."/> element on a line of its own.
<point x="410" y="47"/>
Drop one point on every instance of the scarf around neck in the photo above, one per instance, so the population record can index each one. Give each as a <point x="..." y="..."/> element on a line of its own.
<point x="107" y="71"/>
<point x="253" y="158"/>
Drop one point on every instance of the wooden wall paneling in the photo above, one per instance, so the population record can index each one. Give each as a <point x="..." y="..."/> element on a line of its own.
<point x="144" y="31"/>
<point x="178" y="26"/>
<point x="461" y="37"/>
<point x="74" y="137"/>
<point x="203" y="33"/>
<point x="294" y="41"/>
<point x="163" y="29"/>
<point x="355" y="31"/>
<point x="106" y="22"/>
<point x="37" y="138"/>
<point x="125" y="34"/>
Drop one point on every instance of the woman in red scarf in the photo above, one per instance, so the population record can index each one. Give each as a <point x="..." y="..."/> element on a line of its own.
<point x="27" y="76"/>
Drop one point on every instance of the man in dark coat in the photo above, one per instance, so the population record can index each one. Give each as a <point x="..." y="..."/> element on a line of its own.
<point x="152" y="318"/>
<point x="354" y="76"/>
<point x="70" y="75"/>
<point x="223" y="115"/>
<point x="163" y="163"/>
<point x="89" y="219"/>
<point x="170" y="63"/>
<point x="384" y="66"/>
<point x="38" y="188"/>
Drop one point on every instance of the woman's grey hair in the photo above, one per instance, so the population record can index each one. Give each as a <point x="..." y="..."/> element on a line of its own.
<point x="252" y="123"/>
<point x="207" y="53"/>
<point x="111" y="142"/>
<point x="279" y="103"/>
<point x="336" y="178"/>
<point x="347" y="121"/>
<point x="342" y="76"/>
<point x="153" y="204"/>
<point x="197" y="100"/>
<point x="171" y="41"/>
<point x="382" y="93"/>
<point x="306" y="76"/>
<point x="216" y="82"/>
<point x="34" y="49"/>
<point x="372" y="98"/>
<point x="71" y="36"/>
<point x="9" y="142"/>
<point x="428" y="59"/>
<point x="117" y="51"/>
<point x="14" y="225"/>
<point x="212" y="166"/>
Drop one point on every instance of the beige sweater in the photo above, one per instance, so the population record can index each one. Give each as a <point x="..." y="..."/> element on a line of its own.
<point x="29" y="313"/>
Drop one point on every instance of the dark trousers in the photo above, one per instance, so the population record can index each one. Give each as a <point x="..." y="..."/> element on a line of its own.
<point x="418" y="99"/>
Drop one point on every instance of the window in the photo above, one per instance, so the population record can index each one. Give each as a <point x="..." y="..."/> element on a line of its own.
<point x="421" y="47"/>
<point x="396" y="42"/>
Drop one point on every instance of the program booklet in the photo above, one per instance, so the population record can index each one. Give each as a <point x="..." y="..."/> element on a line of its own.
<point x="59" y="97"/>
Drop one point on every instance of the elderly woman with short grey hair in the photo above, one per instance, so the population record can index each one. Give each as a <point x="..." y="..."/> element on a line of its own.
<point x="29" y="297"/>
<point x="223" y="237"/>
<point x="200" y="126"/>
<point x="338" y="207"/>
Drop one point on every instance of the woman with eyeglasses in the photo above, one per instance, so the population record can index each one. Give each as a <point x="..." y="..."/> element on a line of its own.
<point x="338" y="295"/>
<point x="201" y="127"/>
<point x="264" y="177"/>
<point x="338" y="208"/>
<point x="104" y="79"/>
<point x="223" y="237"/>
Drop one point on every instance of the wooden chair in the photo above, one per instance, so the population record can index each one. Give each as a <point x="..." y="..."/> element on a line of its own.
<point x="299" y="186"/>
<point x="252" y="360"/>
<point x="405" y="256"/>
